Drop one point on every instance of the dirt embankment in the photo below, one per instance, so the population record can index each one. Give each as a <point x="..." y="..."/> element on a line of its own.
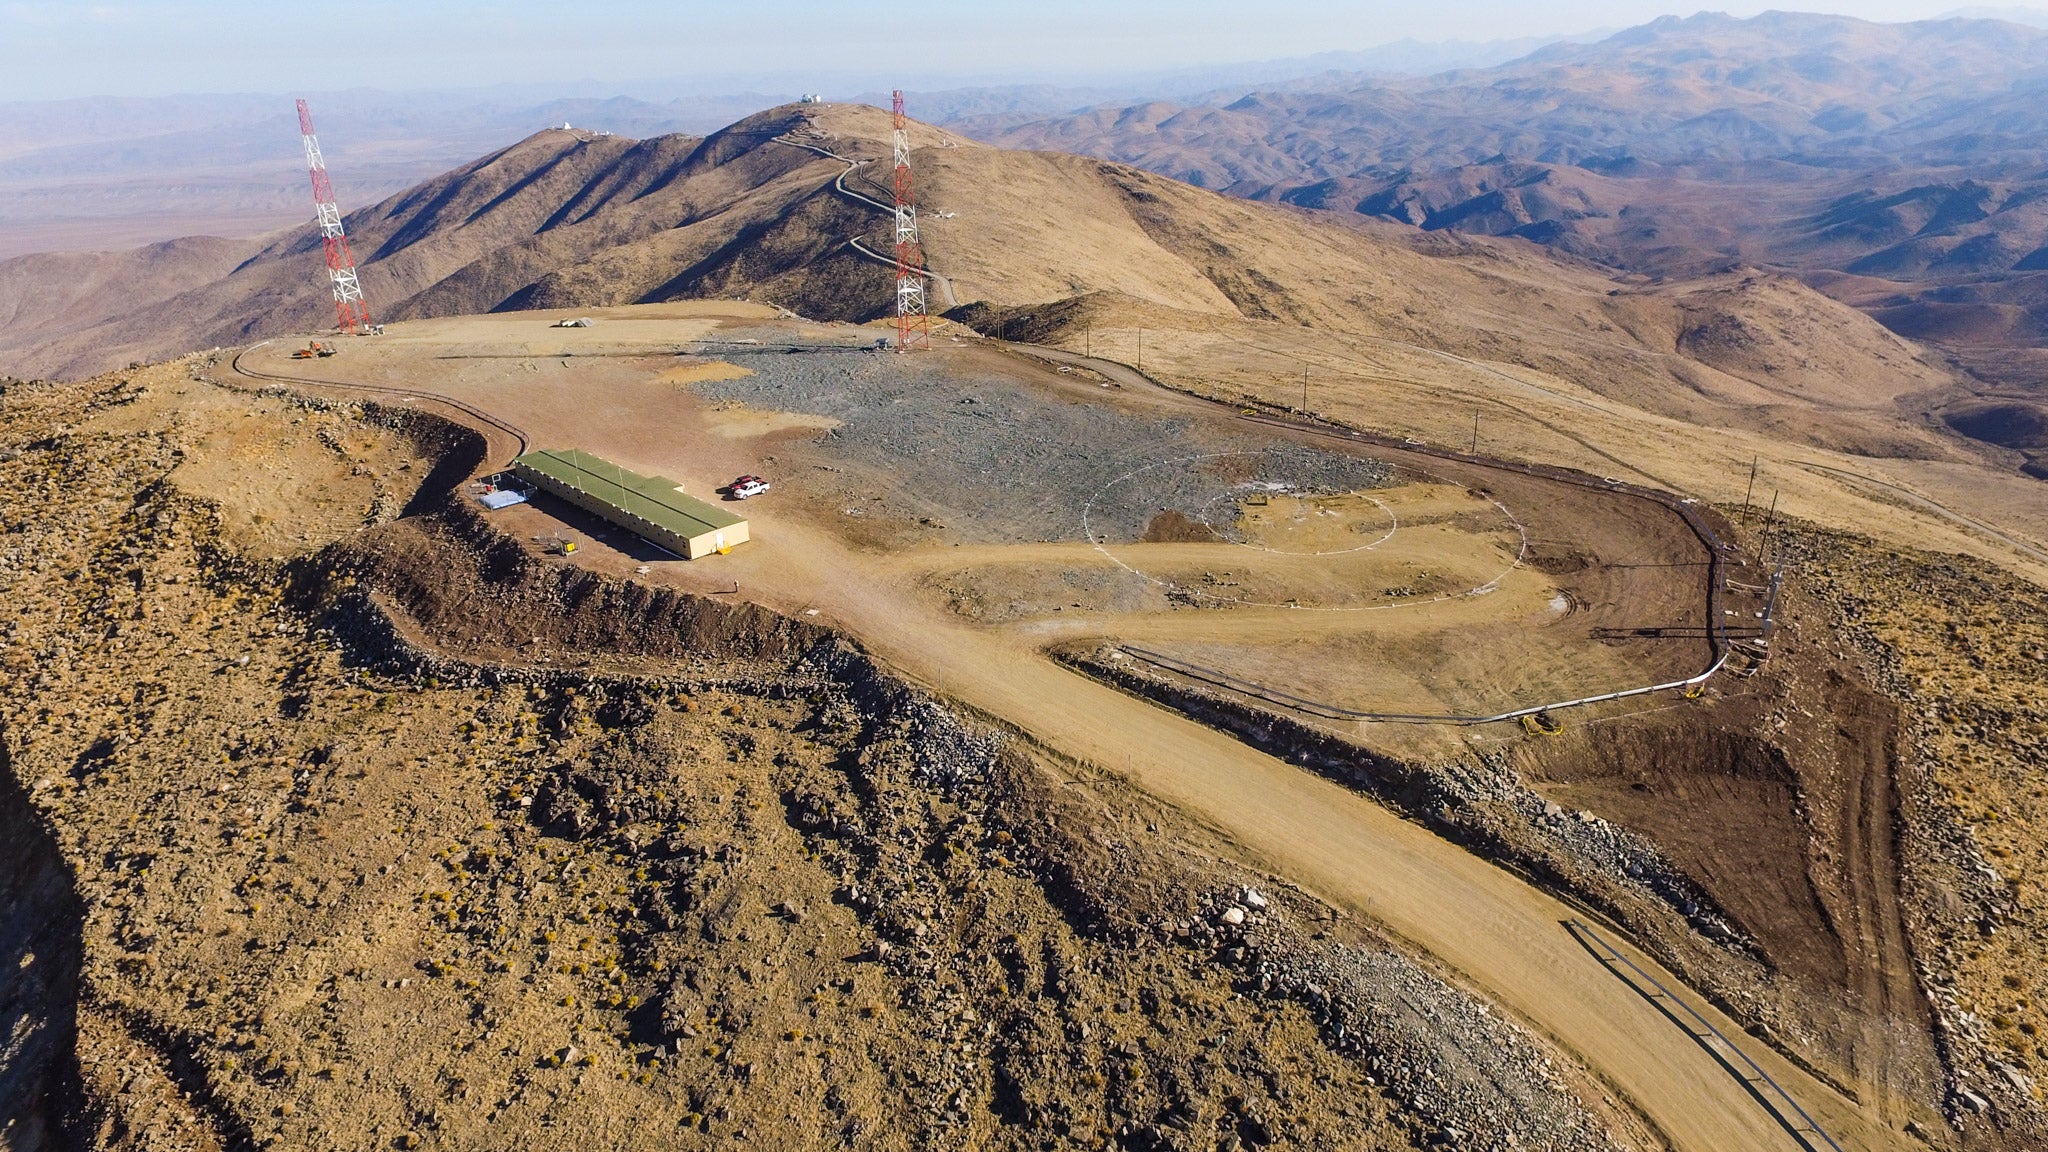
<point x="341" y="883"/>
<point x="1487" y="806"/>
<point x="1962" y="648"/>
<point x="1756" y="840"/>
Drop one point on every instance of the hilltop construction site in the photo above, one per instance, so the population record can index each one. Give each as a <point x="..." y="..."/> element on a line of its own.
<point x="1102" y="729"/>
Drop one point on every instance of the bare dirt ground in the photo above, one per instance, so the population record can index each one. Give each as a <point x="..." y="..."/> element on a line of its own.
<point x="1632" y="566"/>
<point x="671" y="871"/>
<point x="942" y="476"/>
<point x="1527" y="412"/>
<point x="1687" y="845"/>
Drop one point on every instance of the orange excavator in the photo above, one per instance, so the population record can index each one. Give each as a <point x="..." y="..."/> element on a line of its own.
<point x="312" y="349"/>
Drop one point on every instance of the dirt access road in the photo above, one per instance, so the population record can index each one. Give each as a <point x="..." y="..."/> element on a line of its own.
<point x="1502" y="935"/>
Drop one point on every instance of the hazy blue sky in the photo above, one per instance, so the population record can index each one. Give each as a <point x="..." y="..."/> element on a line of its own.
<point x="53" y="49"/>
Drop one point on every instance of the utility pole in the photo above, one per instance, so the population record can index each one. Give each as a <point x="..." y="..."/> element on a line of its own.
<point x="1304" y="389"/>
<point x="1751" y="490"/>
<point x="352" y="315"/>
<point x="1088" y="341"/>
<point x="1475" y="433"/>
<point x="1141" y="350"/>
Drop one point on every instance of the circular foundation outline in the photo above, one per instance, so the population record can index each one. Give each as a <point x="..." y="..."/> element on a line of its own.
<point x="1102" y="545"/>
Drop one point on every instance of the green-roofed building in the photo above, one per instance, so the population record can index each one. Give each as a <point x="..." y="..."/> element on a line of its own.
<point x="652" y="507"/>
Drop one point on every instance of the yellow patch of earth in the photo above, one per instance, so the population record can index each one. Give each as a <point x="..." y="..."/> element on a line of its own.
<point x="738" y="423"/>
<point x="1313" y="524"/>
<point x="705" y="372"/>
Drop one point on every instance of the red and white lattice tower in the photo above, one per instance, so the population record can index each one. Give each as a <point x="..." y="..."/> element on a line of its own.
<point x="350" y="311"/>
<point x="913" y="325"/>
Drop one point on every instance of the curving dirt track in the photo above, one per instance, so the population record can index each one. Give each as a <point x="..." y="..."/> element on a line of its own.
<point x="1503" y="935"/>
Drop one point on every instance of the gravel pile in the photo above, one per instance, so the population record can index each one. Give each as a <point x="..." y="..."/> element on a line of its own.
<point x="1000" y="461"/>
<point x="945" y="752"/>
<point x="1476" y="1080"/>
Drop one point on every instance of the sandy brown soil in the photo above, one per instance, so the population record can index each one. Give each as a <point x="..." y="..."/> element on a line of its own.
<point x="1600" y="569"/>
<point x="1056" y="249"/>
<point x="289" y="880"/>
<point x="1750" y="841"/>
<point x="610" y="750"/>
<point x="1628" y="559"/>
<point x="1550" y="412"/>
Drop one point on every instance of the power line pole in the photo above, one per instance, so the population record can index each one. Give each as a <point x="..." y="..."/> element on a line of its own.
<point x="1751" y="490"/>
<point x="1304" y="389"/>
<point x="1141" y="350"/>
<point x="351" y="313"/>
<point x="1475" y="433"/>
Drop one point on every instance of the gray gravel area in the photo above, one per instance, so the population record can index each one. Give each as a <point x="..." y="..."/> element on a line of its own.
<point x="1479" y="1081"/>
<point x="998" y="460"/>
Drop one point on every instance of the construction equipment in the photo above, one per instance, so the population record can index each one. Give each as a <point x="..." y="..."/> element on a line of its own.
<point x="559" y="545"/>
<point x="313" y="348"/>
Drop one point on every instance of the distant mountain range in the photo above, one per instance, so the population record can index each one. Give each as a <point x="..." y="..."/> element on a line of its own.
<point x="107" y="173"/>
<point x="1047" y="245"/>
<point x="1900" y="167"/>
<point x="2038" y="17"/>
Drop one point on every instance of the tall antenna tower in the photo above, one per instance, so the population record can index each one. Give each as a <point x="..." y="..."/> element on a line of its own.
<point x="913" y="325"/>
<point x="351" y="313"/>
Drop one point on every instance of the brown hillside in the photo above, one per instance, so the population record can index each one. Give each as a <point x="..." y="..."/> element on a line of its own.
<point x="569" y="220"/>
<point x="56" y="292"/>
<point x="1824" y="146"/>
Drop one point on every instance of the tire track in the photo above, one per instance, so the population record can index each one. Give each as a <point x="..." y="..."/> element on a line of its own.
<point x="525" y="442"/>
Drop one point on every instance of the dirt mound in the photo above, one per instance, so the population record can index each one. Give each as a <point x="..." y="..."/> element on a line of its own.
<point x="1173" y="526"/>
<point x="514" y="602"/>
